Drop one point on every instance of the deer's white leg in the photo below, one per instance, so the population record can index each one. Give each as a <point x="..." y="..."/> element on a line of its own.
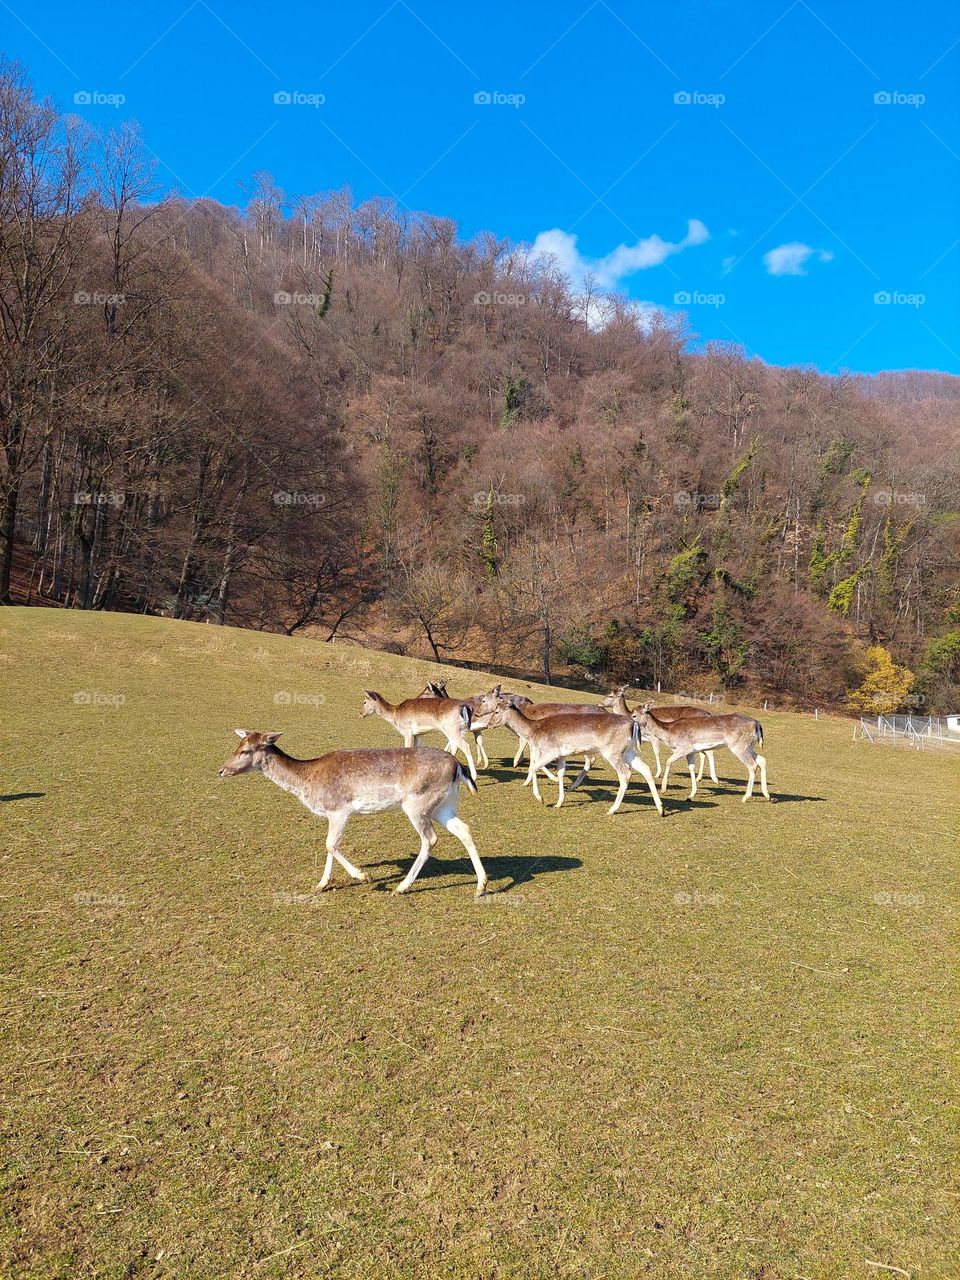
<point x="561" y="773"/>
<point x="666" y="769"/>
<point x="446" y="815"/>
<point x="428" y="838"/>
<point x="711" y="760"/>
<point x="587" y="763"/>
<point x="622" y="770"/>
<point x="692" y="766"/>
<point x="753" y="773"/>
<point x="335" y="825"/>
<point x="762" y="762"/>
<point x="482" y="756"/>
<point x="532" y="771"/>
<point x="633" y="760"/>
<point x="521" y="745"/>
<point x="656" y="755"/>
<point x="703" y="760"/>
<point x="409" y="740"/>
<point x="464" y="746"/>
<point x="327" y="873"/>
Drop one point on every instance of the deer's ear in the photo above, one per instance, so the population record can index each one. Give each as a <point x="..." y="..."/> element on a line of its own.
<point x="268" y="739"/>
<point x="241" y="733"/>
<point x="497" y="688"/>
<point x="369" y="693"/>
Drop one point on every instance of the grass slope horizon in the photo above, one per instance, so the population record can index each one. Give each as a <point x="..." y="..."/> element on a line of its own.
<point x="715" y="1045"/>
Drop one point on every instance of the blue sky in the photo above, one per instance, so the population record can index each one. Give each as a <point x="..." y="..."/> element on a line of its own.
<point x="776" y="170"/>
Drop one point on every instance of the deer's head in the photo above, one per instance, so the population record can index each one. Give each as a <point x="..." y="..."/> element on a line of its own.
<point x="489" y="702"/>
<point x="612" y="699"/>
<point x="250" y="753"/>
<point x="371" y="704"/>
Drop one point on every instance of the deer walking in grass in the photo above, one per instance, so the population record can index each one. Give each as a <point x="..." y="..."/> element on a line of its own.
<point x="553" y="738"/>
<point x="617" y="702"/>
<point x="739" y="734"/>
<point x="422" y="781"/>
<point x="417" y="716"/>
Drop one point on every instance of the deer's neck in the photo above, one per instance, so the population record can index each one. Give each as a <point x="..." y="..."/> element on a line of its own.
<point x="286" y="772"/>
<point x="517" y="722"/>
<point x="387" y="710"/>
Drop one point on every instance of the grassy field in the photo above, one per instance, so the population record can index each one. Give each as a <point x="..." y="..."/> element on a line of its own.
<point x="716" y="1045"/>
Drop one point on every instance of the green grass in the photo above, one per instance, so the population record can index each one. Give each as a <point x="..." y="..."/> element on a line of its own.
<point x="716" y="1045"/>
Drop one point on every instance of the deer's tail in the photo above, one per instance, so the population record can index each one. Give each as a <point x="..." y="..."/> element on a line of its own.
<point x="758" y="733"/>
<point x="464" y="777"/>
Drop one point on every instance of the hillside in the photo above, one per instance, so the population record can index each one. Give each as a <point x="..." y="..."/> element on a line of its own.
<point x="312" y="414"/>
<point x="712" y="1045"/>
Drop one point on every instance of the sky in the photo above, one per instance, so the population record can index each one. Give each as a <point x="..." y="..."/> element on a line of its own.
<point x="787" y="174"/>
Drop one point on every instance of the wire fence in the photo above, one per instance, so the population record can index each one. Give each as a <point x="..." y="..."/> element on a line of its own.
<point x="918" y="732"/>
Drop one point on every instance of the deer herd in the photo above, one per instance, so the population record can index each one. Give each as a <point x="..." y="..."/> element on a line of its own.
<point x="425" y="782"/>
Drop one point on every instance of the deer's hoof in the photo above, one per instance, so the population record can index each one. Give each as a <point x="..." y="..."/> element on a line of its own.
<point x="365" y="878"/>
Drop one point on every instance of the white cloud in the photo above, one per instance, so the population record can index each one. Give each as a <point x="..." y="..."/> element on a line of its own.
<point x="791" y="259"/>
<point x="625" y="260"/>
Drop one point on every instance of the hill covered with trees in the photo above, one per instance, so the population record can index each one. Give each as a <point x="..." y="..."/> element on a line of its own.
<point x="312" y="415"/>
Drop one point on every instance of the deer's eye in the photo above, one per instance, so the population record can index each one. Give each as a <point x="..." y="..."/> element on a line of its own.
<point x="247" y="751"/>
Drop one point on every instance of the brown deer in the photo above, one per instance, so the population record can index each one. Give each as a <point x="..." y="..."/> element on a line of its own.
<point x="617" y="701"/>
<point x="739" y="734"/>
<point x="417" y="716"/>
<point x="422" y="781"/>
<point x="590" y="730"/>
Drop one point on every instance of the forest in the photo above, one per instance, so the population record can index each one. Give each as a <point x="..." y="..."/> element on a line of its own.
<point x="343" y="420"/>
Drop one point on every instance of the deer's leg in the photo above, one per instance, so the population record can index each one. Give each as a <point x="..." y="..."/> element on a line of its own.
<point x="678" y="755"/>
<point x="713" y="766"/>
<point x="532" y="771"/>
<point x="633" y="761"/>
<point x="335" y="825"/>
<point x="482" y="758"/>
<point x="446" y="815"/>
<point x="561" y="773"/>
<point x="521" y="745"/>
<point x="587" y="764"/>
<point x="656" y="755"/>
<point x="622" y="770"/>
<point x="762" y="762"/>
<point x="410" y="741"/>
<point x="423" y="826"/>
<point x="463" y="745"/>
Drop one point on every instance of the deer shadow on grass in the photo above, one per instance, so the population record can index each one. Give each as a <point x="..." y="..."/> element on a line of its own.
<point x="23" y="795"/>
<point x="518" y="868"/>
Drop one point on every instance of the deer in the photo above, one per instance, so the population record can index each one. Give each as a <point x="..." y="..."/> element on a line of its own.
<point x="417" y="716"/>
<point x="438" y="689"/>
<point x="617" y="702"/>
<point x="590" y="730"/>
<point x="739" y="734"/>
<point x="422" y="781"/>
